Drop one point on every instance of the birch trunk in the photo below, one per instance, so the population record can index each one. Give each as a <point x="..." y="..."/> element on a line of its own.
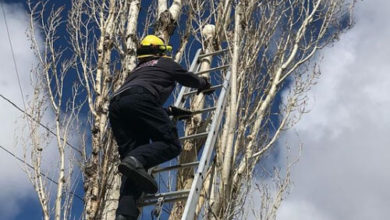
<point x="100" y="106"/>
<point x="228" y="154"/>
<point x="129" y="62"/>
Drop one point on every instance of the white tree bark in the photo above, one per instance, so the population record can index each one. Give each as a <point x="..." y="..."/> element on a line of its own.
<point x="228" y="154"/>
<point x="167" y="18"/>
<point x="175" y="9"/>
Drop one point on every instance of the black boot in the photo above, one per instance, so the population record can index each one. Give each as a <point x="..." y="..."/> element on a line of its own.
<point x="136" y="173"/>
<point x="125" y="217"/>
<point x="120" y="217"/>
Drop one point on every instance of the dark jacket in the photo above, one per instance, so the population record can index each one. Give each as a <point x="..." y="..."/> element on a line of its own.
<point x="158" y="76"/>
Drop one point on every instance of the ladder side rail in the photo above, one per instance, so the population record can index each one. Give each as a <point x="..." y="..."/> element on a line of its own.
<point x="194" y="67"/>
<point x="193" y="197"/>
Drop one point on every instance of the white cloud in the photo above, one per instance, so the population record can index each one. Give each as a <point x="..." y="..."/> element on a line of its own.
<point x="301" y="210"/>
<point x="343" y="173"/>
<point x="14" y="183"/>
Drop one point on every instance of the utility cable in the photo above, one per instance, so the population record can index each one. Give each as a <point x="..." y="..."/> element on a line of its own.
<point x="31" y="167"/>
<point x="44" y="126"/>
<point x="20" y="86"/>
<point x="24" y="104"/>
<point x="13" y="55"/>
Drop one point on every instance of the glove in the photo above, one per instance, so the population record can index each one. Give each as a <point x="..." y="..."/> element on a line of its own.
<point x="179" y="113"/>
<point x="205" y="86"/>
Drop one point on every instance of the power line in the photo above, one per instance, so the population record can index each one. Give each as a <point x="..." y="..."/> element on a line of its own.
<point x="13" y="55"/>
<point x="20" y="86"/>
<point x="44" y="126"/>
<point x="31" y="167"/>
<point x="24" y="105"/>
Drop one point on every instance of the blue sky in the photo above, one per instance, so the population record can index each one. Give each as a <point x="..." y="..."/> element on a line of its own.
<point x="343" y="172"/>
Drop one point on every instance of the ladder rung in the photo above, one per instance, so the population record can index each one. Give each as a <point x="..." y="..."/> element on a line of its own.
<point x="203" y="134"/>
<point x="168" y="197"/>
<point x="212" y="69"/>
<point x="178" y="166"/>
<point x="212" y="53"/>
<point x="204" y="110"/>
<point x="195" y="91"/>
<point x="197" y="112"/>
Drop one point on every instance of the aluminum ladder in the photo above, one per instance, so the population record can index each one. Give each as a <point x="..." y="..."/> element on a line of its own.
<point x="192" y="195"/>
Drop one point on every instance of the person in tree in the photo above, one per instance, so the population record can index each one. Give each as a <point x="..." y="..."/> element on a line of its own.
<point x="141" y="126"/>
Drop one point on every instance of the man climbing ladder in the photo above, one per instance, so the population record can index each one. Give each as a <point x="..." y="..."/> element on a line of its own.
<point x="144" y="133"/>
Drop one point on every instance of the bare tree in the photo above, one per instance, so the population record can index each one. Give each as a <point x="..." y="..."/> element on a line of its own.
<point x="50" y="91"/>
<point x="271" y="45"/>
<point x="270" y="42"/>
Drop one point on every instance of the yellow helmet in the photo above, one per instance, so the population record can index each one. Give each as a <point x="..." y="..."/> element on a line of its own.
<point x="152" y="45"/>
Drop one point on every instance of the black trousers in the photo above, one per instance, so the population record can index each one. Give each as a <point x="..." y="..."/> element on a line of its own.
<point x="142" y="129"/>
